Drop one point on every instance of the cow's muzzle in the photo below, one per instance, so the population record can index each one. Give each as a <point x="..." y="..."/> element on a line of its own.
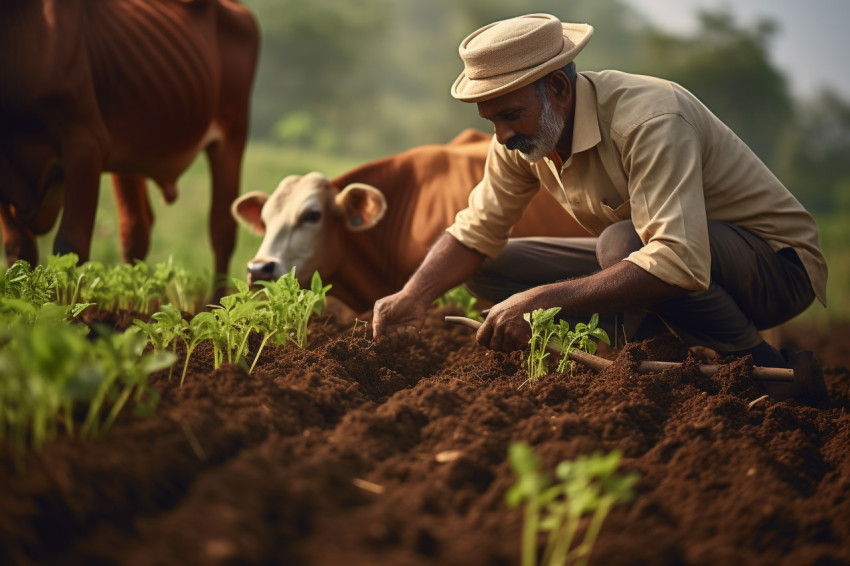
<point x="261" y="270"/>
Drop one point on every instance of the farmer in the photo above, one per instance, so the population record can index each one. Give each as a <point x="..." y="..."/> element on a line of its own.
<point x="688" y="224"/>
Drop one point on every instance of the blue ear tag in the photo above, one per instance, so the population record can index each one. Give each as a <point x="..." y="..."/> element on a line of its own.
<point x="357" y="221"/>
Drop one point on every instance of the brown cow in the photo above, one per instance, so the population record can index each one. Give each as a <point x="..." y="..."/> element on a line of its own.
<point x="134" y="87"/>
<point x="367" y="242"/>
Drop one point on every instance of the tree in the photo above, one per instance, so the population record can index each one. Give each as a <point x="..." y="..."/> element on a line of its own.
<point x="727" y="67"/>
<point x="814" y="155"/>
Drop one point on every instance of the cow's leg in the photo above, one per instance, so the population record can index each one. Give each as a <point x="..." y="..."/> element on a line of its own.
<point x="83" y="157"/>
<point x="135" y="216"/>
<point x="225" y="159"/>
<point x="18" y="241"/>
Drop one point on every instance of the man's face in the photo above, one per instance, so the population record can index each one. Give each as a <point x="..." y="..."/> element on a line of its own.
<point x="523" y="122"/>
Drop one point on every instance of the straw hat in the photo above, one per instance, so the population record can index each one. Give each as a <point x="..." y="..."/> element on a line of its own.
<point x="510" y="54"/>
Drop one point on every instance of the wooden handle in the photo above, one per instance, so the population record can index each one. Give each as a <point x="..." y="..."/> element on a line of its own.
<point x="597" y="363"/>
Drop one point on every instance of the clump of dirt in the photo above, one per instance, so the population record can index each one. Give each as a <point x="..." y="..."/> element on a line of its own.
<point x="348" y="452"/>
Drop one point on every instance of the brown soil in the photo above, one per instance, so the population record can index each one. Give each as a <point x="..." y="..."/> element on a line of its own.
<point x="348" y="453"/>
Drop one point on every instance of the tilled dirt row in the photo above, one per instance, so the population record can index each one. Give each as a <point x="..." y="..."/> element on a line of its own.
<point x="350" y="453"/>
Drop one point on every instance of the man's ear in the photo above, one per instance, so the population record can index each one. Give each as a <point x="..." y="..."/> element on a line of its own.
<point x="560" y="89"/>
<point x="362" y="206"/>
<point x="247" y="210"/>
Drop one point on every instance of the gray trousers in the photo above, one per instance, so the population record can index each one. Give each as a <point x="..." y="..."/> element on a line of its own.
<point x="752" y="287"/>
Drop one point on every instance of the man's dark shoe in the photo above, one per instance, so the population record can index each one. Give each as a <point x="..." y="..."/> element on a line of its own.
<point x="808" y="386"/>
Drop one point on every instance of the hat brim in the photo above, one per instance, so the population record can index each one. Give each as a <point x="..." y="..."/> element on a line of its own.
<point x="478" y="90"/>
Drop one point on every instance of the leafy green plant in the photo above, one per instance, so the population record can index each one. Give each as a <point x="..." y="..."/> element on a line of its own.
<point x="124" y="371"/>
<point x="544" y="331"/>
<point x="293" y="306"/>
<point x="460" y="296"/>
<point x="164" y="329"/>
<point x="586" y="486"/>
<point x="66" y="278"/>
<point x="30" y="285"/>
<point x="235" y="317"/>
<point x="184" y="288"/>
<point x="49" y="368"/>
<point x="204" y="326"/>
<point x="580" y="338"/>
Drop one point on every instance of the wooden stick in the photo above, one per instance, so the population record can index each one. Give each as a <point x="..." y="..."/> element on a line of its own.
<point x="597" y="363"/>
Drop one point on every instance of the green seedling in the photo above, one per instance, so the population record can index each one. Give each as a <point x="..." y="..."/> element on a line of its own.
<point x="544" y="330"/>
<point x="292" y="306"/>
<point x="33" y="286"/>
<point x="204" y="326"/>
<point x="164" y="330"/>
<point x="460" y="296"/>
<point x="587" y="486"/>
<point x="125" y="372"/>
<point x="49" y="368"/>
<point x="580" y="338"/>
<point x="67" y="278"/>
<point x="235" y="317"/>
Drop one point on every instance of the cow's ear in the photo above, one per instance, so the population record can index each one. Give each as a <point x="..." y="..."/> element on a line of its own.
<point x="247" y="210"/>
<point x="362" y="206"/>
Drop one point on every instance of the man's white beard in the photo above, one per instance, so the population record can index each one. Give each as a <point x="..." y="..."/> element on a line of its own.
<point x="546" y="135"/>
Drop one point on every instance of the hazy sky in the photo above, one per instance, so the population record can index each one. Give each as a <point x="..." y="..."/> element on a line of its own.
<point x="812" y="41"/>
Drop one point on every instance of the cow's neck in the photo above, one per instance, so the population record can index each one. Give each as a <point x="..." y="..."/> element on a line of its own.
<point x="362" y="281"/>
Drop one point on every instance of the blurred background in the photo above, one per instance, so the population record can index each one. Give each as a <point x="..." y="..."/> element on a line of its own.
<point x="340" y="83"/>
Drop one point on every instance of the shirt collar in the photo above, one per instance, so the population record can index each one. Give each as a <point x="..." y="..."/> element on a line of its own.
<point x="586" y="132"/>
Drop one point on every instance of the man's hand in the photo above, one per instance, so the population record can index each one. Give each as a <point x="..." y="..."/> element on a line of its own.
<point x="504" y="329"/>
<point x="398" y="318"/>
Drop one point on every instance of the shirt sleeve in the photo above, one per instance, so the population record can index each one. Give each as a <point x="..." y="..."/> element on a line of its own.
<point x="663" y="158"/>
<point x="496" y="203"/>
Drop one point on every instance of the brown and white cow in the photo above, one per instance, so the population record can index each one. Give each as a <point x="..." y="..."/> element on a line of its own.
<point x="134" y="87"/>
<point x="368" y="230"/>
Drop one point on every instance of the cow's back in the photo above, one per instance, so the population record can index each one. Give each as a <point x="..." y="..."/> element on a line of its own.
<point x="425" y="187"/>
<point x="428" y="185"/>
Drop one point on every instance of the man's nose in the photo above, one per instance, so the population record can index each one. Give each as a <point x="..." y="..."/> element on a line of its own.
<point x="503" y="133"/>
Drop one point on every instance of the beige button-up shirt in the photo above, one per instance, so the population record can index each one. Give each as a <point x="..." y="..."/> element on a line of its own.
<point x="646" y="149"/>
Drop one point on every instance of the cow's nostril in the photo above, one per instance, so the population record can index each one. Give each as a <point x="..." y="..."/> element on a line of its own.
<point x="261" y="270"/>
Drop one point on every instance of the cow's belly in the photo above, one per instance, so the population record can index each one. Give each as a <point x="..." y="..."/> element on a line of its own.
<point x="164" y="162"/>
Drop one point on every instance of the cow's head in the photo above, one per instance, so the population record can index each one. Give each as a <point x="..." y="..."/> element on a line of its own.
<point x="301" y="222"/>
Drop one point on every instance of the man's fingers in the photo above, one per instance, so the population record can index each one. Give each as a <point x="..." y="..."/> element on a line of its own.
<point x="497" y="336"/>
<point x="400" y="336"/>
<point x="484" y="334"/>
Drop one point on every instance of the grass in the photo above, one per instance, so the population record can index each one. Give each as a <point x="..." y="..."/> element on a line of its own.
<point x="834" y="235"/>
<point x="181" y="229"/>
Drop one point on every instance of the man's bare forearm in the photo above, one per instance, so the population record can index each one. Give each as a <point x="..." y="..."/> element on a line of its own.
<point x="448" y="264"/>
<point x="621" y="287"/>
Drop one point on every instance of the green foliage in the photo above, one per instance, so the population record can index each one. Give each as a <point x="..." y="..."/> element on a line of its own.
<point x="279" y="311"/>
<point x="585" y="486"/>
<point x="729" y="69"/>
<point x="580" y="338"/>
<point x="291" y="307"/>
<point x="49" y="368"/>
<point x="544" y="331"/>
<point x="461" y="297"/>
<point x="138" y="287"/>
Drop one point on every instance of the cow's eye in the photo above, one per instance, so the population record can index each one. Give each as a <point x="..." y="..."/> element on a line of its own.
<point x="311" y="216"/>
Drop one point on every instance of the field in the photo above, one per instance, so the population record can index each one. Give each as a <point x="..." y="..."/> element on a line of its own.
<point x="346" y="452"/>
<point x="185" y="236"/>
